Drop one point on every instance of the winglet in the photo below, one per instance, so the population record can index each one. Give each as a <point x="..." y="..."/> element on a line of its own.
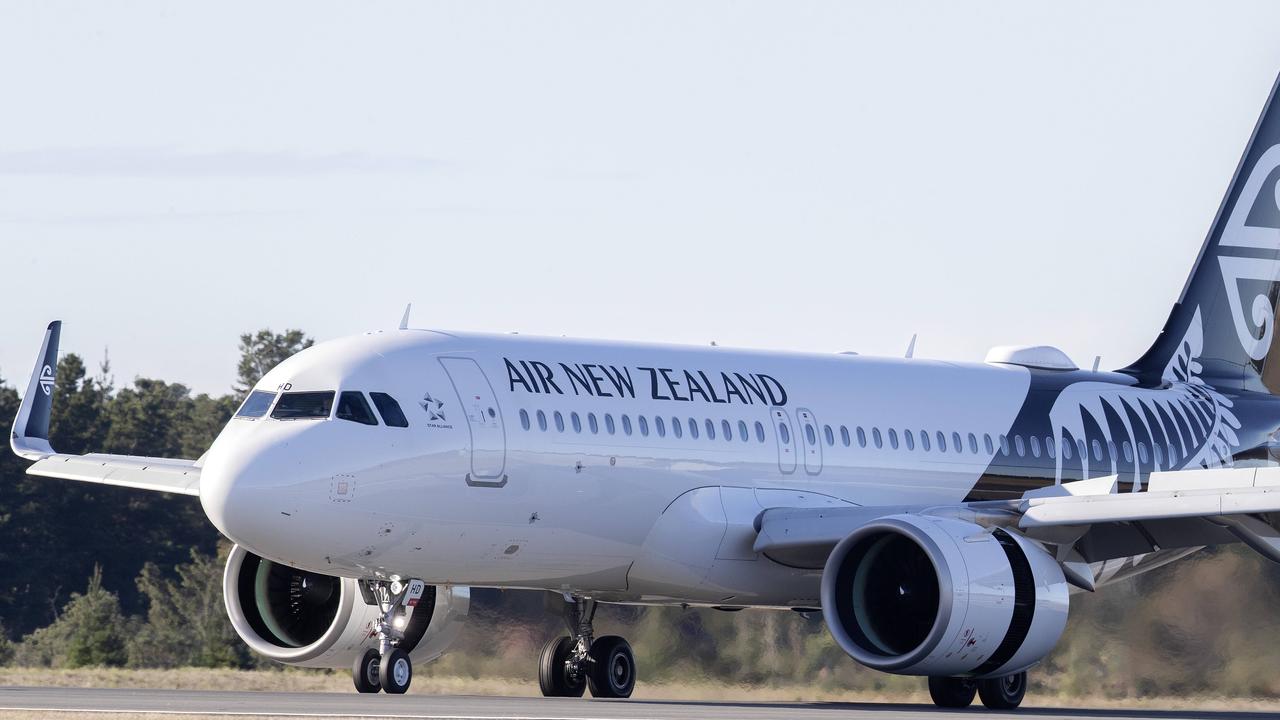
<point x="404" y="320"/>
<point x="30" y="436"/>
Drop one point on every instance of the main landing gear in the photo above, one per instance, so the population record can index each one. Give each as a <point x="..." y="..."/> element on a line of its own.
<point x="1003" y="693"/>
<point x="571" y="664"/>
<point x="388" y="667"/>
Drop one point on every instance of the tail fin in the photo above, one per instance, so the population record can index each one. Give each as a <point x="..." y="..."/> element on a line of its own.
<point x="30" y="436"/>
<point x="1223" y="328"/>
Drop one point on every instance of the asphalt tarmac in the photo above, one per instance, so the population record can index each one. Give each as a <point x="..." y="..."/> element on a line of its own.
<point x="443" y="707"/>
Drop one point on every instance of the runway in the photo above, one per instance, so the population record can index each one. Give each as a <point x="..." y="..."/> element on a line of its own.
<point x="457" y="707"/>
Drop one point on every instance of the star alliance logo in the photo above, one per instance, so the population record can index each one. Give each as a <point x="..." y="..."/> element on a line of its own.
<point x="46" y="380"/>
<point x="434" y="407"/>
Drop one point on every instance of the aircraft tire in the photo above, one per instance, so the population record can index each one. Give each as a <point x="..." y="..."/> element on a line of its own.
<point x="954" y="693"/>
<point x="1003" y="693"/>
<point x="553" y="676"/>
<point x="365" y="672"/>
<point x="395" y="672"/>
<point x="613" y="668"/>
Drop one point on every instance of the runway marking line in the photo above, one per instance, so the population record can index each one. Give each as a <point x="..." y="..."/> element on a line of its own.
<point x="240" y="713"/>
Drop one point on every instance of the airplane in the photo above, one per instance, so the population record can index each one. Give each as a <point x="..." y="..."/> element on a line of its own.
<point x="938" y="514"/>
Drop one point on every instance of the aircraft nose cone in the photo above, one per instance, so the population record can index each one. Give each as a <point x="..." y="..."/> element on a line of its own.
<point x="222" y="495"/>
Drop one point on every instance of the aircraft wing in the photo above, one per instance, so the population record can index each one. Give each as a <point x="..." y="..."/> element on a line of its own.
<point x="30" y="439"/>
<point x="1086" y="521"/>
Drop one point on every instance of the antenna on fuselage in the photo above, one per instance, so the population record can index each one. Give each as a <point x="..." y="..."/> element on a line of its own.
<point x="404" y="320"/>
<point x="911" y="347"/>
<point x="1097" y="360"/>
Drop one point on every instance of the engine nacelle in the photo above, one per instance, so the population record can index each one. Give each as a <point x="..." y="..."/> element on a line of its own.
<point x="312" y="620"/>
<point x="922" y="595"/>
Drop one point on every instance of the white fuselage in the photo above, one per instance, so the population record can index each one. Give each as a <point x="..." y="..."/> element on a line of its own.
<point x="616" y="498"/>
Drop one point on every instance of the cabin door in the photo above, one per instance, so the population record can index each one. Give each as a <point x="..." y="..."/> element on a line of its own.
<point x="784" y="432"/>
<point x="479" y="404"/>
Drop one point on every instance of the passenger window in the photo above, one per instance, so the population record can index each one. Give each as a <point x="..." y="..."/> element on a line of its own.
<point x="986" y="443"/>
<point x="1004" y="446"/>
<point x="893" y="438"/>
<point x="875" y="436"/>
<point x="352" y="406"/>
<point x="924" y="440"/>
<point x="726" y="430"/>
<point x="644" y="425"/>
<point x="524" y="419"/>
<point x="577" y="423"/>
<point x="862" y="437"/>
<point x="759" y="431"/>
<point x="542" y="421"/>
<point x="1017" y="444"/>
<point x="910" y="437"/>
<point x="626" y="424"/>
<point x="942" y="442"/>
<point x="1035" y="446"/>
<point x="659" y="426"/>
<point x="784" y="433"/>
<point x="1097" y="451"/>
<point x="256" y="405"/>
<point x="1066" y="449"/>
<point x="676" y="427"/>
<point x="1051" y="447"/>
<point x="559" y="421"/>
<point x="1142" y="452"/>
<point x="1111" y="448"/>
<point x="693" y="429"/>
<point x="711" y="430"/>
<point x="303" y="406"/>
<point x="394" y="417"/>
<point x="844" y="436"/>
<point x="955" y="442"/>
<point x="1128" y="451"/>
<point x="608" y="424"/>
<point x="742" y="431"/>
<point x="1155" y="447"/>
<point x="592" y="424"/>
<point x="831" y="436"/>
<point x="810" y="435"/>
<point x="973" y="443"/>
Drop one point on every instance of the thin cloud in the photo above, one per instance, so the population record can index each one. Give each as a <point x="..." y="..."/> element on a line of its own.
<point x="160" y="162"/>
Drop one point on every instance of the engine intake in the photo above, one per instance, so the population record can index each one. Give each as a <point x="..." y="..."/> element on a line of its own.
<point x="922" y="595"/>
<point x="308" y="619"/>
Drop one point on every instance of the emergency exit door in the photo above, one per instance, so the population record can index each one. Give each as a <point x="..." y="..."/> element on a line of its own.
<point x="479" y="404"/>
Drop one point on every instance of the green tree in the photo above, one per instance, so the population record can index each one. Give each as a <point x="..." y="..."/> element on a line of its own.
<point x="263" y="350"/>
<point x="6" y="647"/>
<point x="187" y="623"/>
<point x="91" y="631"/>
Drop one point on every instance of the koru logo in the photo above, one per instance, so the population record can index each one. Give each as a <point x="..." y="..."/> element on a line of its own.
<point x="46" y="380"/>
<point x="1238" y="233"/>
<point x="434" y="407"/>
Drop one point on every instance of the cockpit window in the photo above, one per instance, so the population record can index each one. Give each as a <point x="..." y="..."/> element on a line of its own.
<point x="390" y="410"/>
<point x="303" y="405"/>
<point x="256" y="405"/>
<point x="352" y="406"/>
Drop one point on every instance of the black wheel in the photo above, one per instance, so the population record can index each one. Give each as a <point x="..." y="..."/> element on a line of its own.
<point x="365" y="672"/>
<point x="553" y="671"/>
<point x="395" y="671"/>
<point x="1004" y="693"/>
<point x="613" y="668"/>
<point x="952" y="692"/>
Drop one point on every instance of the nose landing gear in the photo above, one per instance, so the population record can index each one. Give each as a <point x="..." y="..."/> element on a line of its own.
<point x="569" y="665"/>
<point x="388" y="667"/>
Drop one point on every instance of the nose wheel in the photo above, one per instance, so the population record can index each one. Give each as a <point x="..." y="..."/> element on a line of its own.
<point x="387" y="667"/>
<point x="570" y="665"/>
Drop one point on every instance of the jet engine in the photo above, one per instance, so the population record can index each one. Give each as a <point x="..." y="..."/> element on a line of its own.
<point x="922" y="595"/>
<point x="303" y="618"/>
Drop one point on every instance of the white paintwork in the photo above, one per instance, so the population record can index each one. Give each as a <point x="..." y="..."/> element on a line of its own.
<point x="976" y="603"/>
<point x="583" y="511"/>
<point x="1034" y="356"/>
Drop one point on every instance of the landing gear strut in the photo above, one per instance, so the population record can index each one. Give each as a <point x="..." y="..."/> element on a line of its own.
<point x="388" y="667"/>
<point x="571" y="664"/>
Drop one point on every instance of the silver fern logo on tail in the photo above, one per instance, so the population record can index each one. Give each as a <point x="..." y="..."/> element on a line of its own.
<point x="1190" y="420"/>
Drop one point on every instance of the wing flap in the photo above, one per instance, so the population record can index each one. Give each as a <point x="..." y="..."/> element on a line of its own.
<point x="175" y="476"/>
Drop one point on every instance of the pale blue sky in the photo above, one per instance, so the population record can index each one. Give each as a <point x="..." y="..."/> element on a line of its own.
<point x="810" y="176"/>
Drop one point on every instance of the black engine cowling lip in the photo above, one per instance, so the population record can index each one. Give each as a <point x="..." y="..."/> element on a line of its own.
<point x="835" y="577"/>
<point x="231" y="598"/>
